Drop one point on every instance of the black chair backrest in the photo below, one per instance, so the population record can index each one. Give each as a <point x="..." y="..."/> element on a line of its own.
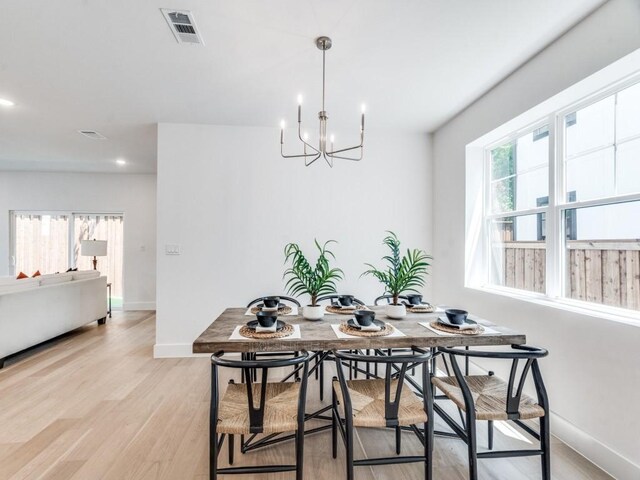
<point x="283" y="298"/>
<point x="334" y="296"/>
<point x="396" y="369"/>
<point x="526" y="353"/>
<point x="256" y="414"/>
<point x="388" y="298"/>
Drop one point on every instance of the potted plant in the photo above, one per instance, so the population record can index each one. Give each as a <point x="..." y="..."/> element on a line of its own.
<point x="314" y="281"/>
<point x="403" y="273"/>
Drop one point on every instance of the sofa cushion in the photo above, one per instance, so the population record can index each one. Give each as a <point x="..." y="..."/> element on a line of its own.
<point x="85" y="274"/>
<point x="55" y="278"/>
<point x="37" y="274"/>
<point x="22" y="275"/>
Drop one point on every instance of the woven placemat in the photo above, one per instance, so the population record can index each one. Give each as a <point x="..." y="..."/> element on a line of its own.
<point x="341" y="311"/>
<point x="251" y="333"/>
<point x="383" y="332"/>
<point x="281" y="311"/>
<point x="429" y="309"/>
<point x="468" y="331"/>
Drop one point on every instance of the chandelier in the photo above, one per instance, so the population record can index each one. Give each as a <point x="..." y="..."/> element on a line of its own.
<point x="325" y="149"/>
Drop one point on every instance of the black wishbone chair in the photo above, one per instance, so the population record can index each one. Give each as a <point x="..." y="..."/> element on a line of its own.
<point x="254" y="408"/>
<point x="486" y="397"/>
<point x="387" y="402"/>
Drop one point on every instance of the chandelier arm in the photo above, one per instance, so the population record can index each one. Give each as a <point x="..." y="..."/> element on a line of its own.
<point x="314" y="159"/>
<point x="302" y="140"/>
<point x="306" y="155"/>
<point x="347" y="158"/>
<point x="333" y="152"/>
<point x="326" y="159"/>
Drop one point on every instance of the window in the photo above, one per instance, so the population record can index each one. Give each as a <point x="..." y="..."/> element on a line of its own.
<point x="41" y="243"/>
<point x="561" y="202"/>
<point x="519" y="177"/>
<point x="50" y="242"/>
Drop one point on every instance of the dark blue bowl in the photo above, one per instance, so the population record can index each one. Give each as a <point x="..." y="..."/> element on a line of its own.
<point x="271" y="302"/>
<point x="414" y="299"/>
<point x="266" y="319"/>
<point x="364" y="317"/>
<point x="345" y="300"/>
<point x="456" y="316"/>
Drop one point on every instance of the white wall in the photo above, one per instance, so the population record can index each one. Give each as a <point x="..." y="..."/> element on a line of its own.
<point x="231" y="203"/>
<point x="135" y="195"/>
<point x="592" y="371"/>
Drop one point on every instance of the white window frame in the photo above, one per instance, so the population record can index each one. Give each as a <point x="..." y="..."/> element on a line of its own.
<point x="616" y="77"/>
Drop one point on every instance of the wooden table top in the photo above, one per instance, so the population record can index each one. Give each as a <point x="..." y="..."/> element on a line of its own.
<point x="319" y="336"/>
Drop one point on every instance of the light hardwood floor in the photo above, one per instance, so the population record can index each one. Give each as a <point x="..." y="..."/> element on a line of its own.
<point x="94" y="404"/>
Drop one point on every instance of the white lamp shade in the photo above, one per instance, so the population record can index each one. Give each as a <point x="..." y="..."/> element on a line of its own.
<point x="93" y="248"/>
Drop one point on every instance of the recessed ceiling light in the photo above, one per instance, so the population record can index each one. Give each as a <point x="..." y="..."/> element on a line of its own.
<point x="121" y="161"/>
<point x="6" y="103"/>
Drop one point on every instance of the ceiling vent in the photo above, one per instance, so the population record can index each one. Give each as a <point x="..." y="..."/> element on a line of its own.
<point x="92" y="134"/>
<point x="183" y="26"/>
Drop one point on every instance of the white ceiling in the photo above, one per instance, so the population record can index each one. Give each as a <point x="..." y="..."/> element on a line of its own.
<point x="115" y="67"/>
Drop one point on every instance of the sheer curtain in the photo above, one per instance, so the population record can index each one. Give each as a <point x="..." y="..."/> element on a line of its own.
<point x="101" y="227"/>
<point x="41" y="243"/>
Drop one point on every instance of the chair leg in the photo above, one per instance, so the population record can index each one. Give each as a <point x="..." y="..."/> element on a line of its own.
<point x="355" y="374"/>
<point x="367" y="368"/>
<point x="317" y="368"/>
<point x="490" y="434"/>
<point x="398" y="440"/>
<point x="428" y="451"/>
<point x="231" y="448"/>
<point x="321" y="379"/>
<point x="213" y="456"/>
<point x="545" y="446"/>
<point x="242" y="444"/>
<point x="472" y="448"/>
<point x="299" y="454"/>
<point x="349" y="446"/>
<point x="334" y="424"/>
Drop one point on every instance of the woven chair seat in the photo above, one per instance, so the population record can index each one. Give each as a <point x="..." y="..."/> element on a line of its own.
<point x="280" y="412"/>
<point x="367" y="402"/>
<point x="489" y="397"/>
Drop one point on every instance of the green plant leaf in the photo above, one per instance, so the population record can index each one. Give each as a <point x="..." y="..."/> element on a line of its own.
<point x="305" y="279"/>
<point x="403" y="273"/>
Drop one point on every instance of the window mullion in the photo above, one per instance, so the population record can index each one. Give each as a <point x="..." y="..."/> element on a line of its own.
<point x="554" y="261"/>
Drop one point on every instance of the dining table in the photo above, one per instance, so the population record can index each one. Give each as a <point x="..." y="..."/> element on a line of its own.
<point x="320" y="337"/>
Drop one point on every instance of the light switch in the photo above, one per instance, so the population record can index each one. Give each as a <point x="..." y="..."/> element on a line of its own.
<point x="172" y="249"/>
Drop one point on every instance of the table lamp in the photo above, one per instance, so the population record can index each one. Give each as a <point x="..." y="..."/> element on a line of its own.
<point x="93" y="248"/>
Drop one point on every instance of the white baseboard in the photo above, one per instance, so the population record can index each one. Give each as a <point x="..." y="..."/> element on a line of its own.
<point x="128" y="306"/>
<point x="175" y="350"/>
<point x="595" y="451"/>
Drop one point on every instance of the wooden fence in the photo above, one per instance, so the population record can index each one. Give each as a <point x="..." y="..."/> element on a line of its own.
<point x="602" y="271"/>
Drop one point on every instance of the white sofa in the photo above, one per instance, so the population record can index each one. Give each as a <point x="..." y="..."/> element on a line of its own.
<point x="33" y="310"/>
